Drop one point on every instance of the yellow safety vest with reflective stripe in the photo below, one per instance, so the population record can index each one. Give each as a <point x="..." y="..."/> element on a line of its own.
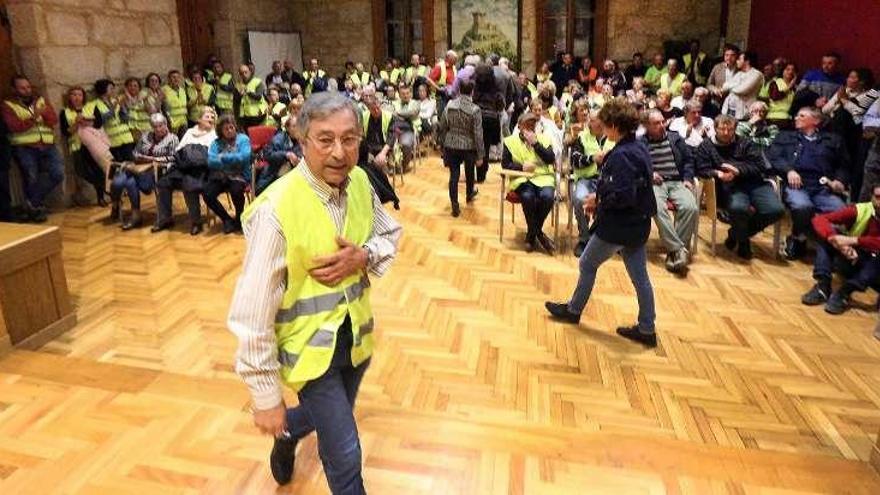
<point x="419" y="71"/>
<point x="73" y="142"/>
<point x="864" y="213"/>
<point x="274" y="117"/>
<point x="544" y="175"/>
<point x="192" y="94"/>
<point x="306" y="324"/>
<point x="176" y="100"/>
<point x="361" y="79"/>
<point x="393" y="77"/>
<point x="592" y="146"/>
<point x="688" y="59"/>
<point x="138" y="118"/>
<point x="251" y="107"/>
<point x="310" y="78"/>
<point x="386" y="122"/>
<point x="39" y="133"/>
<point x="778" y="109"/>
<point x="117" y="130"/>
<point x="672" y="85"/>
<point x="416" y="123"/>
<point x="442" y="81"/>
<point x="533" y="90"/>
<point x="224" y="98"/>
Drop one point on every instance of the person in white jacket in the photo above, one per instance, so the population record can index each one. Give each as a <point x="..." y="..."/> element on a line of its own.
<point x="742" y="89"/>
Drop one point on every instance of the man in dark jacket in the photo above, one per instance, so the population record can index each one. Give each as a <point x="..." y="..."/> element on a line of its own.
<point x="284" y="149"/>
<point x="563" y="71"/>
<point x="850" y="235"/>
<point x="738" y="168"/>
<point x="814" y="165"/>
<point x="673" y="180"/>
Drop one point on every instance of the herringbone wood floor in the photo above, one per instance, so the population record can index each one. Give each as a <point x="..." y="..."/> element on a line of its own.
<point x="472" y="390"/>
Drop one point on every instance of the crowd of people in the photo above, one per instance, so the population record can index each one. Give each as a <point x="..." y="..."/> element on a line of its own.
<point x="770" y="139"/>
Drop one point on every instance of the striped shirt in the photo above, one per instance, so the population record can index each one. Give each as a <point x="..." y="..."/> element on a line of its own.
<point x="263" y="281"/>
<point x="663" y="160"/>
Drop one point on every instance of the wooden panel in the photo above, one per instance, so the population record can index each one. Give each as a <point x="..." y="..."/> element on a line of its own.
<point x="379" y="52"/>
<point x="7" y="69"/>
<point x="29" y="306"/>
<point x="21" y="245"/>
<point x="428" y="28"/>
<point x="196" y="38"/>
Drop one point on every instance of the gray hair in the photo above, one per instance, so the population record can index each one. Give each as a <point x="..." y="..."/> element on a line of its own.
<point x="321" y="105"/>
<point x="725" y="120"/>
<point x="814" y="112"/>
<point x="694" y="105"/>
<point x="451" y="53"/>
<point x="758" y="106"/>
<point x="701" y="91"/>
<point x="157" y="119"/>
<point x="504" y="62"/>
<point x="654" y="113"/>
<point x="472" y="59"/>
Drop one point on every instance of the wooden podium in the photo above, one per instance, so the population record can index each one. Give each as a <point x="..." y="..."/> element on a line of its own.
<point x="34" y="302"/>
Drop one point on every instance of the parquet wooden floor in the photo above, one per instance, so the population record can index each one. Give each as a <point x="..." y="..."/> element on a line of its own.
<point x="472" y="389"/>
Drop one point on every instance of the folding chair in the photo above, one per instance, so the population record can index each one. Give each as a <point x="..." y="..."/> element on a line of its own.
<point x="260" y="136"/>
<point x="707" y="192"/>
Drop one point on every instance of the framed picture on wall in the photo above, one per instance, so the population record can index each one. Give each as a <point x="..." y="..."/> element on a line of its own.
<point x="485" y="26"/>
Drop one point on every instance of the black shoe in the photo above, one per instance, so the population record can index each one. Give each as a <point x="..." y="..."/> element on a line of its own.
<point x="817" y="295"/>
<point x="456" y="211"/>
<point x="472" y="196"/>
<point x="730" y="242"/>
<point x="282" y="459"/>
<point x="196" y="229"/>
<point x="114" y="211"/>
<point x="579" y="248"/>
<point x="546" y="243"/>
<point x="837" y="303"/>
<point x="633" y="333"/>
<point x="794" y="248"/>
<point x="531" y="245"/>
<point x="561" y="312"/>
<point x="38" y="215"/>
<point x="102" y="202"/>
<point x="167" y="224"/>
<point x="744" y="249"/>
<point x="228" y="226"/>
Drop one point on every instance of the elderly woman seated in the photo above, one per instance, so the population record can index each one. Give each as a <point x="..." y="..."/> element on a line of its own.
<point x="187" y="173"/>
<point x="229" y="170"/>
<point x="284" y="150"/>
<point x="154" y="148"/>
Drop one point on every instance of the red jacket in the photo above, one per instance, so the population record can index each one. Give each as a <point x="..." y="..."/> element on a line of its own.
<point x="824" y="226"/>
<point x="16" y="125"/>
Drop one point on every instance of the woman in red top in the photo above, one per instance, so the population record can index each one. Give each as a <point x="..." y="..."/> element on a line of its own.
<point x="587" y="74"/>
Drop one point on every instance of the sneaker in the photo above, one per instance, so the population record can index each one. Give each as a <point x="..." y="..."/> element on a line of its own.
<point x="636" y="335"/>
<point x="282" y="459"/>
<point x="579" y="249"/>
<point x="817" y="295"/>
<point x="794" y="248"/>
<point x="560" y="311"/>
<point x="837" y="303"/>
<point x="680" y="260"/>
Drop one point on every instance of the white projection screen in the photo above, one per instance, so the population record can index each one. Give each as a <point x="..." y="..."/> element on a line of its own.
<point x="267" y="46"/>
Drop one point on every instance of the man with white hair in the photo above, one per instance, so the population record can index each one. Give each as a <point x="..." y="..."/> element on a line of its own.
<point x="301" y="309"/>
<point x="692" y="126"/>
<point x="710" y="109"/>
<point x="443" y="75"/>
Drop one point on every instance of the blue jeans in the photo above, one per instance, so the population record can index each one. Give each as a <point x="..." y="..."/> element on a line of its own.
<point x="36" y="160"/>
<point x="132" y="183"/>
<point x="807" y="201"/>
<point x="636" y="262"/>
<point x="860" y="276"/>
<point x="582" y="189"/>
<point x="767" y="209"/>
<point x="326" y="405"/>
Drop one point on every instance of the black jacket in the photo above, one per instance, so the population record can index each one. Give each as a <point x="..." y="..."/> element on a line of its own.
<point x="684" y="158"/>
<point x="625" y="195"/>
<point x="784" y="152"/>
<point x="742" y="153"/>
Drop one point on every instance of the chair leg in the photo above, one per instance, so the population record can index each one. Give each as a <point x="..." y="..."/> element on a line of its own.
<point x="714" y="233"/>
<point x="501" y="213"/>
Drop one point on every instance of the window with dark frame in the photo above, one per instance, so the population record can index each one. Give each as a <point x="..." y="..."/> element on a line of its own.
<point x="567" y="26"/>
<point x="403" y="29"/>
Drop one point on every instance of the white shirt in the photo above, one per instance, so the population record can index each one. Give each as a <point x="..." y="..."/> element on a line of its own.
<point x="693" y="136"/>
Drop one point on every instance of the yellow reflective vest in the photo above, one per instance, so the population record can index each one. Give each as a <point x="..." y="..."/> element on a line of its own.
<point x="864" y="213"/>
<point x="544" y="175"/>
<point x="592" y="145"/>
<point x="39" y="133"/>
<point x="275" y="115"/>
<point x="361" y="79"/>
<point x="672" y="85"/>
<point x="117" y="130"/>
<point x="138" y="117"/>
<point x="778" y="109"/>
<point x="688" y="60"/>
<point x="192" y="97"/>
<point x="311" y="313"/>
<point x="73" y="142"/>
<point x="252" y="107"/>
<point x="310" y="79"/>
<point x="442" y="81"/>
<point x="176" y="101"/>
<point x="386" y="122"/>
<point x="224" y="98"/>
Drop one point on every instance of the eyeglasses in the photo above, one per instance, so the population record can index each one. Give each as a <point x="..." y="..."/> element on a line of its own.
<point x="326" y="143"/>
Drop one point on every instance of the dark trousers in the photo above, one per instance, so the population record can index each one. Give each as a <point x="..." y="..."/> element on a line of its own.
<point x="767" y="209"/>
<point x="491" y="136"/>
<point x="89" y="171"/>
<point x="123" y="153"/>
<point x="859" y="276"/>
<point x="454" y="159"/>
<point x="191" y="198"/>
<point x="134" y="184"/>
<point x="326" y="406"/>
<point x="5" y="195"/>
<point x="33" y="162"/>
<point x="217" y="185"/>
<point x="537" y="203"/>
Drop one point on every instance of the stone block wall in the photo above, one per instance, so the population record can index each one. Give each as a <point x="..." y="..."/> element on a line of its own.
<point x="232" y="19"/>
<point x="738" y="22"/>
<point x="335" y="32"/>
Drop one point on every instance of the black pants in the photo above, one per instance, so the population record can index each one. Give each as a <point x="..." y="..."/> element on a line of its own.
<point x="123" y="153"/>
<point x="537" y="203"/>
<point x="454" y="159"/>
<point x="164" y="195"/>
<point x="5" y="196"/>
<point x="89" y="171"/>
<point x="491" y="136"/>
<point x="217" y="185"/>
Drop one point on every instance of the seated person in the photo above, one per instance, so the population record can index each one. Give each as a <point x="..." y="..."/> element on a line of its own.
<point x="427" y="110"/>
<point x="155" y="148"/>
<point x="814" y="164"/>
<point x="276" y="110"/>
<point x="406" y="122"/>
<point x="378" y="140"/>
<point x="187" y="174"/>
<point x="757" y="128"/>
<point x="229" y="170"/>
<point x="738" y="168"/>
<point x="693" y="127"/>
<point x="284" y="149"/>
<point x="673" y="164"/>
<point x="851" y="236"/>
<point x="587" y="153"/>
<point x="531" y="152"/>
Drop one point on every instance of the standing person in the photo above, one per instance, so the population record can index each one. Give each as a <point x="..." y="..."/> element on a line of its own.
<point x="529" y="151"/>
<point x="176" y="103"/>
<point x="623" y="204"/>
<point x="198" y="96"/>
<point x="723" y="72"/>
<point x="224" y="88"/>
<point x="695" y="64"/>
<point x="743" y="88"/>
<point x="74" y="116"/>
<point x="491" y="103"/>
<point x="564" y="71"/>
<point x="253" y="107"/>
<point x="324" y="206"/>
<point x="781" y="96"/>
<point x="31" y="120"/>
<point x="135" y="104"/>
<point x="460" y="133"/>
<point x="315" y="77"/>
<point x="655" y="72"/>
<point x="441" y="77"/>
<point x="635" y="69"/>
<point x="229" y="170"/>
<point x="154" y="97"/>
<point x="114" y="119"/>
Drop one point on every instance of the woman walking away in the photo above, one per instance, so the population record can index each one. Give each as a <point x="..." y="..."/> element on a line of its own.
<point x="460" y="132"/>
<point x="624" y="205"/>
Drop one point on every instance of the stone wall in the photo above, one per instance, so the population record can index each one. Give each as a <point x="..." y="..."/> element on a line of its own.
<point x="335" y="32"/>
<point x="738" y="22"/>
<point x="232" y="19"/>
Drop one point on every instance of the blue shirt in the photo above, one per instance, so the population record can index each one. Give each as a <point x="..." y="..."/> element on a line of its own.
<point x="231" y="159"/>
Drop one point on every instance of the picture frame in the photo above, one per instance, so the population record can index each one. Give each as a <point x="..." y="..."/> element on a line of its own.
<point x="485" y="26"/>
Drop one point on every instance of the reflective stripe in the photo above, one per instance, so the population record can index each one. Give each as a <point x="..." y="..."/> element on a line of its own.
<point x="324" y="302"/>
<point x="321" y="338"/>
<point x="287" y="358"/>
<point x="365" y="329"/>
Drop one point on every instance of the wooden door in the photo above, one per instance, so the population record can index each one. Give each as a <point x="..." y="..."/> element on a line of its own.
<point x="7" y="69"/>
<point x="196" y="38"/>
